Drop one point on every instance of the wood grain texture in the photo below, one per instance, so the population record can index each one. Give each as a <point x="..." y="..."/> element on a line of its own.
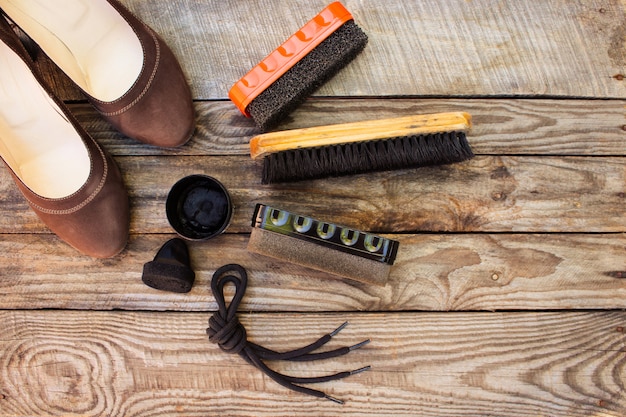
<point x="508" y="295"/>
<point x="486" y="194"/>
<point x="432" y="272"/>
<point x="500" y="126"/>
<point x="451" y="47"/>
<point x="138" y="365"/>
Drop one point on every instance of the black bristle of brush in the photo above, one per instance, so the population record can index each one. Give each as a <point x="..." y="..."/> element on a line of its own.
<point x="301" y="80"/>
<point x="367" y="156"/>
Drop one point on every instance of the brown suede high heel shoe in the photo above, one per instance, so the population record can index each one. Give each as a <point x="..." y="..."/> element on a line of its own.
<point x="123" y="67"/>
<point x="68" y="180"/>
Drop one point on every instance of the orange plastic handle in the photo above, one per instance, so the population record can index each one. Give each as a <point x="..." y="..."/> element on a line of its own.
<point x="287" y="55"/>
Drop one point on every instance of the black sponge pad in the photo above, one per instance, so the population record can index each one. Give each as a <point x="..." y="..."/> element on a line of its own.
<point x="318" y="66"/>
<point x="170" y="270"/>
<point x="174" y="278"/>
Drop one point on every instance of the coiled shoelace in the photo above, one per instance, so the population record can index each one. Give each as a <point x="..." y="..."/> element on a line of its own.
<point x="226" y="330"/>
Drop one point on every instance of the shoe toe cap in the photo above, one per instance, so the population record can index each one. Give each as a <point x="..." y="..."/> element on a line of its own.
<point x="158" y="109"/>
<point x="96" y="221"/>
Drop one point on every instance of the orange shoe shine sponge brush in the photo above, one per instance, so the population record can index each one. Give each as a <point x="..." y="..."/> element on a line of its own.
<point x="287" y="76"/>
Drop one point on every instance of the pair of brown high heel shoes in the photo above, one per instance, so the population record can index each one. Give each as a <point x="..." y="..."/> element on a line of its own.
<point x="128" y="74"/>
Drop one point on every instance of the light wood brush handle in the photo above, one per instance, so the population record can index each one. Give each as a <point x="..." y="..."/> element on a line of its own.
<point x="311" y="137"/>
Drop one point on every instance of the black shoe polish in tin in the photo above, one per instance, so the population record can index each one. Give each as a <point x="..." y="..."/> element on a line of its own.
<point x="198" y="207"/>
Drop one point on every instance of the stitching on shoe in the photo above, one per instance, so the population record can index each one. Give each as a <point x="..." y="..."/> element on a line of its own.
<point x="84" y="202"/>
<point x="123" y="12"/>
<point x="148" y="84"/>
<point x="20" y="54"/>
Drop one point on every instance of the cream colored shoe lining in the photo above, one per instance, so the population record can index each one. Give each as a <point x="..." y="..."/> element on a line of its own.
<point x="36" y="140"/>
<point x="87" y="39"/>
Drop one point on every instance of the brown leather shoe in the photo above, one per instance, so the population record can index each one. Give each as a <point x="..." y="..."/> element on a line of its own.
<point x="124" y="68"/>
<point x="66" y="177"/>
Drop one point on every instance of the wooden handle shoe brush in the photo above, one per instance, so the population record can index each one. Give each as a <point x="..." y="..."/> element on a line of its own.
<point x="353" y="148"/>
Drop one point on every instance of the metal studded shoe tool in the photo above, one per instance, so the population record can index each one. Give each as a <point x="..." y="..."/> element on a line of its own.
<point x="320" y="245"/>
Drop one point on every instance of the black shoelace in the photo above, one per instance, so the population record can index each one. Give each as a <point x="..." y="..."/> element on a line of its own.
<point x="226" y="330"/>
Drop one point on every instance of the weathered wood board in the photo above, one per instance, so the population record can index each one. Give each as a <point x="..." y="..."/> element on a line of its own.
<point x="428" y="364"/>
<point x="486" y="194"/>
<point x="500" y="126"/>
<point x="432" y="48"/>
<point x="508" y="294"/>
<point x="432" y="272"/>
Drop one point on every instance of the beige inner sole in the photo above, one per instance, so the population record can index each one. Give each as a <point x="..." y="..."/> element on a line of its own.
<point x="87" y="39"/>
<point x="36" y="140"/>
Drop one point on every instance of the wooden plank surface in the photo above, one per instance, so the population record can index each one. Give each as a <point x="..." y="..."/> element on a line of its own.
<point x="432" y="272"/>
<point x="500" y="126"/>
<point x="534" y="228"/>
<point x="426" y="48"/>
<point x="453" y="364"/>
<point x="486" y="194"/>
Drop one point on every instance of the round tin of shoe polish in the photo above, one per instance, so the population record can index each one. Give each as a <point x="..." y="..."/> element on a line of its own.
<point x="198" y="207"/>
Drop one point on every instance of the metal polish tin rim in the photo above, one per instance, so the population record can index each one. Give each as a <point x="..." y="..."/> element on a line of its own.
<point x="327" y="235"/>
<point x="178" y="192"/>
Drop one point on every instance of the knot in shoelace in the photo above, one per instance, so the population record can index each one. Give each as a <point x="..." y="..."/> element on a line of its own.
<point x="224" y="326"/>
<point x="230" y="335"/>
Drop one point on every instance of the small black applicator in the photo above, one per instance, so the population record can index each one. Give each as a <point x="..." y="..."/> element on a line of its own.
<point x="170" y="270"/>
